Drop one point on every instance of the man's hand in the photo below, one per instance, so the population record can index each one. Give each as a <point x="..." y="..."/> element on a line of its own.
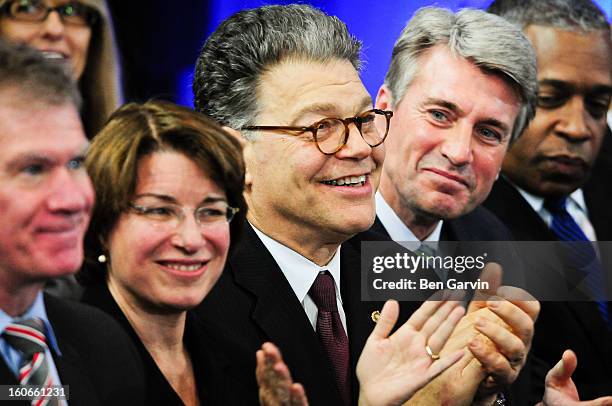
<point x="276" y="388"/>
<point x="511" y="339"/>
<point x="392" y="368"/>
<point x="559" y="389"/>
<point x="497" y="329"/>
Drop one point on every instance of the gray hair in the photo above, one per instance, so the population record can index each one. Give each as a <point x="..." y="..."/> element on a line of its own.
<point x="490" y="42"/>
<point x="250" y="42"/>
<point x="569" y="15"/>
<point x="36" y="77"/>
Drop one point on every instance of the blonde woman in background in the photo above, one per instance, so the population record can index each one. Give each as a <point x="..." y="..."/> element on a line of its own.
<point x="78" y="33"/>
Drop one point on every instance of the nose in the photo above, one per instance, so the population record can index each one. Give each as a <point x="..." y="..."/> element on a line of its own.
<point x="53" y="26"/>
<point x="70" y="193"/>
<point x="457" y="147"/>
<point x="573" y="121"/>
<point x="188" y="236"/>
<point x="355" y="147"/>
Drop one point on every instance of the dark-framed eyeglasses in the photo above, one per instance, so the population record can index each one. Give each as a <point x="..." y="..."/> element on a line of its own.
<point x="73" y="12"/>
<point x="331" y="134"/>
<point x="170" y="216"/>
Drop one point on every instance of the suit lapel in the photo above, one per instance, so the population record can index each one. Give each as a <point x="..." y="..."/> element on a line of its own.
<point x="281" y="317"/>
<point x="69" y="366"/>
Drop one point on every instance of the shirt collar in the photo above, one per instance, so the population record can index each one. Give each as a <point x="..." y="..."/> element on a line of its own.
<point x="299" y="270"/>
<point x="537" y="202"/>
<point x="398" y="231"/>
<point x="36" y="310"/>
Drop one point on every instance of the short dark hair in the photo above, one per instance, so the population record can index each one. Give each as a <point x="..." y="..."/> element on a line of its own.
<point x="35" y="77"/>
<point x="571" y="15"/>
<point x="247" y="44"/>
<point x="138" y="130"/>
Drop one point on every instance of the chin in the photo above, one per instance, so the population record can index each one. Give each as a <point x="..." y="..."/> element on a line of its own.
<point x="62" y="266"/>
<point x="357" y="224"/>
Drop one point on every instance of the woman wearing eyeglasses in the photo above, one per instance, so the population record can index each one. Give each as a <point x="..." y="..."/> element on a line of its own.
<point x="169" y="200"/>
<point x="79" y="34"/>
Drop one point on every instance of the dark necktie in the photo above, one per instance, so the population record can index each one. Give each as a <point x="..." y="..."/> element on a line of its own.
<point x="331" y="332"/>
<point x="580" y="253"/>
<point x="27" y="336"/>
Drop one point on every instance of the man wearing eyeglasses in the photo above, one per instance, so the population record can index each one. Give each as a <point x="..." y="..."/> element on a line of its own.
<point x="285" y="81"/>
<point x="461" y="87"/>
<point x="45" y="202"/>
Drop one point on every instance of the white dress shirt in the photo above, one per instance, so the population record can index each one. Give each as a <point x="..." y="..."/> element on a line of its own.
<point x="13" y="357"/>
<point x="576" y="207"/>
<point x="301" y="274"/>
<point x="398" y="231"/>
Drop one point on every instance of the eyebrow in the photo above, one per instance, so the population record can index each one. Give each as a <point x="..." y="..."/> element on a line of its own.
<point x="29" y="157"/>
<point x="560" y="84"/>
<point x="326" y="108"/>
<point x="41" y="158"/>
<point x="171" y="199"/>
<point x="457" y="110"/>
<point x="444" y="103"/>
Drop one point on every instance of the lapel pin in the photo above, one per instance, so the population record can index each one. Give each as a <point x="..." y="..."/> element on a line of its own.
<point x="375" y="316"/>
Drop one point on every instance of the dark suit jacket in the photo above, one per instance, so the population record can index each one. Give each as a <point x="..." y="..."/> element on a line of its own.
<point x="566" y="325"/>
<point x="211" y="368"/>
<point x="98" y="361"/>
<point x="255" y="303"/>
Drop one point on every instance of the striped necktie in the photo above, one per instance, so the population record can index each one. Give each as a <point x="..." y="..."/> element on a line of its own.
<point x="580" y="254"/>
<point x="27" y="336"/>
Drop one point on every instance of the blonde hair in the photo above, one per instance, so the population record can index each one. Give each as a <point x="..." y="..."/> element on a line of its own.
<point x="100" y="83"/>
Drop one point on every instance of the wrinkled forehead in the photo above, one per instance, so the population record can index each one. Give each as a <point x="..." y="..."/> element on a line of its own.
<point x="297" y="88"/>
<point x="40" y="130"/>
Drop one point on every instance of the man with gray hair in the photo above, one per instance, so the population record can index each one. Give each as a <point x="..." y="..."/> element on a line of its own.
<point x="462" y="87"/>
<point x="553" y="185"/>
<point x="45" y="203"/>
<point x="284" y="80"/>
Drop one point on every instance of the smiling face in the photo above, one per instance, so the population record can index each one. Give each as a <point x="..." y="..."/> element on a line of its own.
<point x="154" y="266"/>
<point x="555" y="154"/>
<point x="291" y="191"/>
<point x="46" y="196"/>
<point x="447" y="138"/>
<point x="53" y="37"/>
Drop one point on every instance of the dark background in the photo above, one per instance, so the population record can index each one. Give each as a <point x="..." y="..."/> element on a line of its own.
<point x="160" y="39"/>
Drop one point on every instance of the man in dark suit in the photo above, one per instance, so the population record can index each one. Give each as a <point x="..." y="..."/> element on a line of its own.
<point x="283" y="79"/>
<point x="458" y="102"/>
<point x="545" y="175"/>
<point x="45" y="203"/>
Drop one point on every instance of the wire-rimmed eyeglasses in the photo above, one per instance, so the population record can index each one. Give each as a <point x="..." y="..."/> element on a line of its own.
<point x="172" y="215"/>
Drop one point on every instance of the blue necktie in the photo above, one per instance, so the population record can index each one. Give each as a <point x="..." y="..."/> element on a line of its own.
<point x="581" y="255"/>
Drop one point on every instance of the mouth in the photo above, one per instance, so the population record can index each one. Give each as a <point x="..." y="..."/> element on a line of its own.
<point x="183" y="266"/>
<point x="61" y="227"/>
<point x="348" y="181"/>
<point x="54" y="55"/>
<point x="568" y="160"/>
<point x="448" y="175"/>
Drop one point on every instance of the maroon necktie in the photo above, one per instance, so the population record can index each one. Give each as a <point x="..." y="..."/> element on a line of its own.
<point x="331" y="332"/>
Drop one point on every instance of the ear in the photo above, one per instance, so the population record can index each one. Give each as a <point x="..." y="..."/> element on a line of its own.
<point x="383" y="98"/>
<point x="246" y="151"/>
